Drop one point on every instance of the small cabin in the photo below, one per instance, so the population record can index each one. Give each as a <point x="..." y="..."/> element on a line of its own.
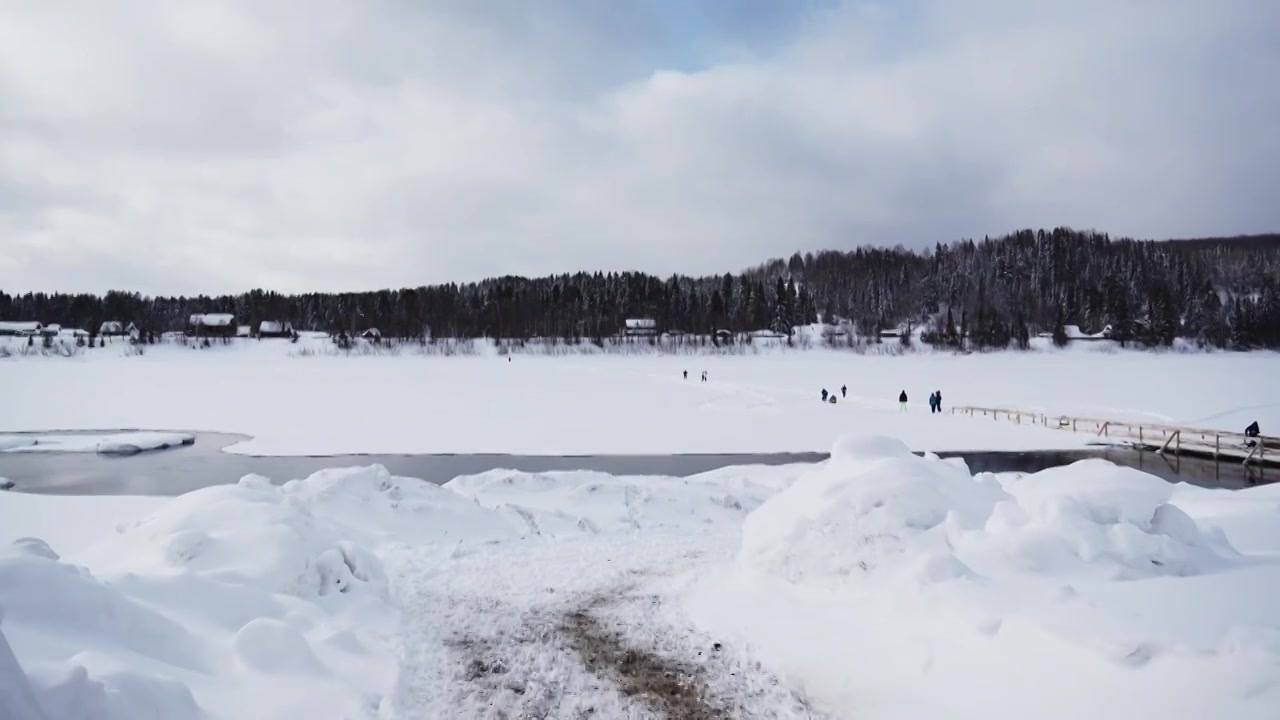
<point x="213" y="325"/>
<point x="51" y="330"/>
<point x="244" y="331"/>
<point x="641" y="327"/>
<point x="111" y="328"/>
<point x="373" y="334"/>
<point x="274" y="329"/>
<point x="21" y="329"/>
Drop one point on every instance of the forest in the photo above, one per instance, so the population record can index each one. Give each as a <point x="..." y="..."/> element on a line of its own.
<point x="993" y="293"/>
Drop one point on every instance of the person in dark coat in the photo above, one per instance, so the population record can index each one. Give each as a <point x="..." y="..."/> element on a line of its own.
<point x="902" y="400"/>
<point x="844" y="391"/>
<point x="937" y="394"/>
<point x="824" y="394"/>
<point x="933" y="403"/>
<point x="1253" y="430"/>
<point x="686" y="374"/>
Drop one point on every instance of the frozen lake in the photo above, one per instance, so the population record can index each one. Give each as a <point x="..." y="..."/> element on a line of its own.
<point x="182" y="469"/>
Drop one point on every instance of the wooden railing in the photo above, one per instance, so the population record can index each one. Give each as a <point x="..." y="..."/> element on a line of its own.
<point x="1163" y="438"/>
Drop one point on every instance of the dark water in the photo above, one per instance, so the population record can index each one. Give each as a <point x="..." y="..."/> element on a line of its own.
<point x="179" y="470"/>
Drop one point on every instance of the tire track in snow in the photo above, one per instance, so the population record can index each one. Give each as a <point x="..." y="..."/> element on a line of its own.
<point x="524" y="630"/>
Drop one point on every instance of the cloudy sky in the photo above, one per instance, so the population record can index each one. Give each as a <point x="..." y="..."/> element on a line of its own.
<point x="192" y="147"/>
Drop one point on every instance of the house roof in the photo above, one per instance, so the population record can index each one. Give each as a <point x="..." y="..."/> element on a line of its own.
<point x="111" y="326"/>
<point x="21" y="326"/>
<point x="272" y="326"/>
<point x="641" y="322"/>
<point x="213" y="319"/>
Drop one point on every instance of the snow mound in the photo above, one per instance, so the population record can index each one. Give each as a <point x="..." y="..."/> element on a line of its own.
<point x="272" y="647"/>
<point x="17" y="699"/>
<point x="871" y="504"/>
<point x="558" y="504"/>
<point x="875" y="506"/>
<point x="1096" y="516"/>
<point x="276" y="592"/>
<point x="133" y="443"/>
<point x="66" y="612"/>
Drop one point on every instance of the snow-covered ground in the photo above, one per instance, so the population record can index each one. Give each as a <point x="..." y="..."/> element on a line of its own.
<point x="875" y="585"/>
<point x="631" y="405"/>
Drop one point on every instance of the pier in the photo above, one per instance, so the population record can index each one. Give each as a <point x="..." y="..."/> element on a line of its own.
<point x="1220" y="445"/>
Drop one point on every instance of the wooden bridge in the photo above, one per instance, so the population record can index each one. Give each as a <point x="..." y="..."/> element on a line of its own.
<point x="1218" y="444"/>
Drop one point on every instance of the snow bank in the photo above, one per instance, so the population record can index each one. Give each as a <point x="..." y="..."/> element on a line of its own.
<point x="275" y="593"/>
<point x="560" y="504"/>
<point x="12" y="442"/>
<point x="128" y="443"/>
<point x="17" y="699"/>
<point x="891" y="585"/>
<point x="876" y="505"/>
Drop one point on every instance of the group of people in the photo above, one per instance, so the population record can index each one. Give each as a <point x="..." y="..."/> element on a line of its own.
<point x="704" y="375"/>
<point x="831" y="397"/>
<point x="935" y="401"/>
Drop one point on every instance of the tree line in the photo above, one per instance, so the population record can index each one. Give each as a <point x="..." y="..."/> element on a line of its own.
<point x="997" y="292"/>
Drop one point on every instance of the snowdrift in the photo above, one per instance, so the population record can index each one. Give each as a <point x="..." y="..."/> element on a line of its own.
<point x="246" y="590"/>
<point x="875" y="505"/>
<point x="900" y="586"/>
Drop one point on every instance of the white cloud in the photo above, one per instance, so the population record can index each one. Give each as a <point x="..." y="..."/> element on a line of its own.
<point x="185" y="148"/>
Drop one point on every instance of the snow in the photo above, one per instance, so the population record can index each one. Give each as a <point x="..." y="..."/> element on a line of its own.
<point x="126" y="443"/>
<point x="891" y="585"/>
<point x="299" y="405"/>
<point x="212" y="319"/>
<point x="878" y="584"/>
<point x="10" y="326"/>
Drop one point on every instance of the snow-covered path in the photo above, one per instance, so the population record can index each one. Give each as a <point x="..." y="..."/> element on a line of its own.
<point x="571" y="629"/>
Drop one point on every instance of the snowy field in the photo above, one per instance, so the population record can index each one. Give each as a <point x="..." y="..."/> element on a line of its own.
<point x="878" y="584"/>
<point x="611" y="404"/>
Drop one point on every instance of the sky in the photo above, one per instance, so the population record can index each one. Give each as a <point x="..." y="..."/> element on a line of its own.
<point x="324" y="145"/>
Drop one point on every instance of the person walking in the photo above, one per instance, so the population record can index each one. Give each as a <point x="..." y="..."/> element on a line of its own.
<point x="686" y="374"/>
<point x="938" y="395"/>
<point x="844" y="391"/>
<point x="704" y="376"/>
<point x="824" y="394"/>
<point x="933" y="403"/>
<point x="902" y="400"/>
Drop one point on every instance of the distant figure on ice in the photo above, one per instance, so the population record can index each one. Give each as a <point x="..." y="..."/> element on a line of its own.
<point x="844" y="391"/>
<point x="933" y="403"/>
<point x="704" y="376"/>
<point x="902" y="400"/>
<point x="938" y="394"/>
<point x="1253" y="430"/>
<point x="833" y="399"/>
<point x="824" y="394"/>
<point x="686" y="374"/>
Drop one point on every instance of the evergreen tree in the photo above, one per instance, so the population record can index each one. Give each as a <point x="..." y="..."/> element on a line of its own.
<point x="1059" y="330"/>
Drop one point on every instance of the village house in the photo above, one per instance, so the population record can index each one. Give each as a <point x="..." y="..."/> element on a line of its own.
<point x="640" y="327"/>
<point x="213" y="325"/>
<point x="21" y="328"/>
<point x="274" y="329"/>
